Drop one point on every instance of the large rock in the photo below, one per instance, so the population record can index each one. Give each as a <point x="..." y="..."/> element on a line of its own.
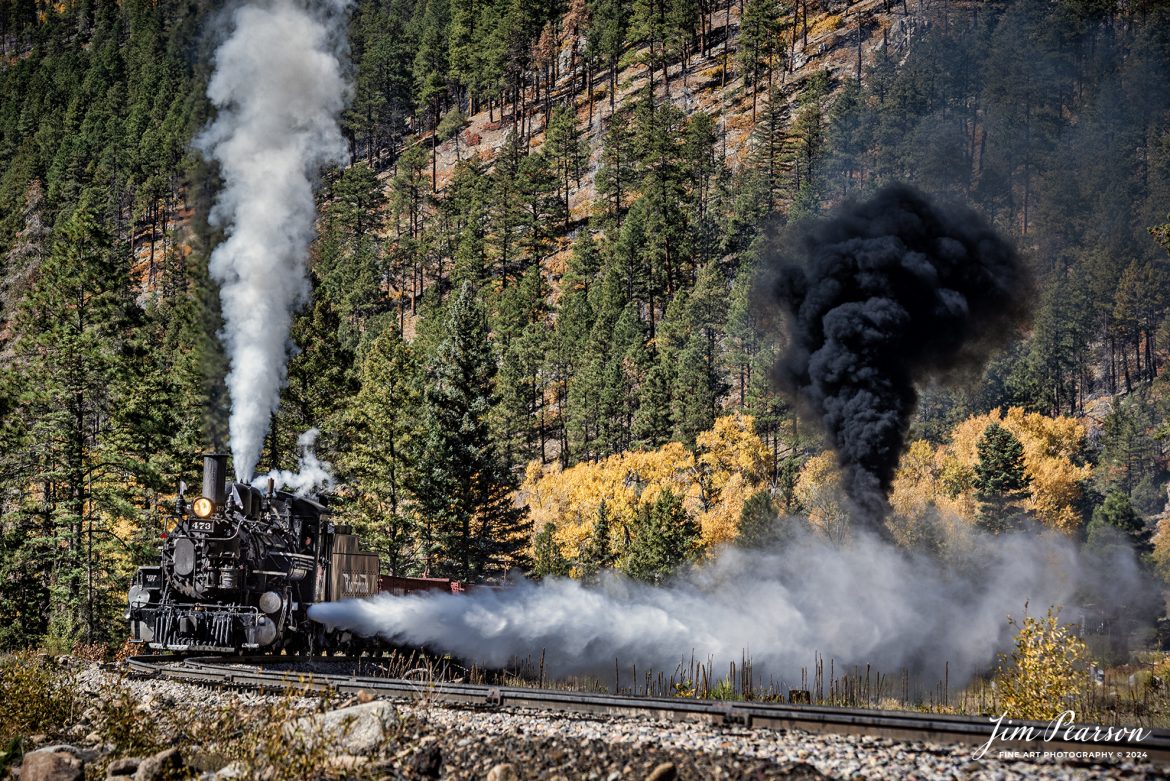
<point x="52" y="764"/>
<point x="505" y="771"/>
<point x="356" y="730"/>
<point x="233" y="771"/>
<point x="123" y="768"/>
<point x="666" y="771"/>
<point x="166" y="765"/>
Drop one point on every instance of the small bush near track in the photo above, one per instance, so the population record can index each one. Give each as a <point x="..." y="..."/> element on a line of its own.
<point x="36" y="698"/>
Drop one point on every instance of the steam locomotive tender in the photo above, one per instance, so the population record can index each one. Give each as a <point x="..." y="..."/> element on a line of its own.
<point x="240" y="569"/>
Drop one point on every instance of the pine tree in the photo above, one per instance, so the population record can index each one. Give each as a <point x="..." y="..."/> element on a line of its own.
<point x="594" y="390"/>
<point x="521" y="334"/>
<point x="567" y="151"/>
<point x="536" y="184"/>
<point x="1114" y="519"/>
<point x="616" y="176"/>
<point x="467" y="217"/>
<point x="694" y="393"/>
<point x="598" y="554"/>
<point x="698" y="382"/>
<point x="808" y="142"/>
<point x="768" y="158"/>
<point x="430" y="69"/>
<point x="69" y="438"/>
<point x="463" y="487"/>
<point x="609" y="20"/>
<point x="847" y="136"/>
<point x="573" y="323"/>
<point x="377" y="439"/>
<point x="508" y="213"/>
<point x="758" y="521"/>
<point x="348" y="266"/>
<point x="665" y="537"/>
<point x="1000" y="481"/>
<point x="321" y="382"/>
<point x="652" y="421"/>
<point x="383" y="83"/>
<point x="759" y="39"/>
<point x="700" y="168"/>
<point x="547" y="559"/>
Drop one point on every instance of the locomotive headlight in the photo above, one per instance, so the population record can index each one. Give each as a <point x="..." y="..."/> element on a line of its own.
<point x="203" y="507"/>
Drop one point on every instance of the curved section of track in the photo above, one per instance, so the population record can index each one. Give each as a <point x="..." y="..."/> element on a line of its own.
<point x="250" y="672"/>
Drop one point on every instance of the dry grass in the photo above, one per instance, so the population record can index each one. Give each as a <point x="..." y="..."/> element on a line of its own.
<point x="275" y="739"/>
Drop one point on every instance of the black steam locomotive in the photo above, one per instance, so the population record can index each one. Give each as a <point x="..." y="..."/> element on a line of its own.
<point x="240" y="569"/>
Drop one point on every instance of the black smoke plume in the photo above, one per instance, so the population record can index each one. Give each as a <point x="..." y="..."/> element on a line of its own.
<point x="887" y="292"/>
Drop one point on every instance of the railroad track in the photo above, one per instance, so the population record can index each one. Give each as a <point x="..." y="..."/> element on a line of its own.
<point x="250" y="673"/>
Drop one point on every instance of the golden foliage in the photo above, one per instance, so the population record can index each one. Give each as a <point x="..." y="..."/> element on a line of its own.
<point x="1052" y="450"/>
<point x="728" y="466"/>
<point x="917" y="482"/>
<point x="1161" y="552"/>
<point x="1045" y="671"/>
<point x="819" y="491"/>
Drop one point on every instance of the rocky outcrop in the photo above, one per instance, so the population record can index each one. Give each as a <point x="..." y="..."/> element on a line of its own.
<point x="54" y="763"/>
<point x="359" y="729"/>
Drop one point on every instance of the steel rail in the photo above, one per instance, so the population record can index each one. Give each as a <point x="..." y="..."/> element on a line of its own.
<point x="249" y="672"/>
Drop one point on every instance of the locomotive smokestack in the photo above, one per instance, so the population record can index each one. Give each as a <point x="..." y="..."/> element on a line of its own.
<point x="215" y="477"/>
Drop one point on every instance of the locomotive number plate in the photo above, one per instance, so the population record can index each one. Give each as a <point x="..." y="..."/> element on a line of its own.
<point x="207" y="527"/>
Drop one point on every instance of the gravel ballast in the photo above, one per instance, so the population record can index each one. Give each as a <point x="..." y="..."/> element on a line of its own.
<point x="440" y="740"/>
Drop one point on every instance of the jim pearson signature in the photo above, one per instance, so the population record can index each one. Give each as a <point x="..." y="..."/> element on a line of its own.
<point x="1063" y="727"/>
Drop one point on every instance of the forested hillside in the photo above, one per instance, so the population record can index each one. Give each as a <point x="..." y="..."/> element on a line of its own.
<point x="537" y="335"/>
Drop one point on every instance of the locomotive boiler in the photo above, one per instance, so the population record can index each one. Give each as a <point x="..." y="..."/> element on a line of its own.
<point x="240" y="568"/>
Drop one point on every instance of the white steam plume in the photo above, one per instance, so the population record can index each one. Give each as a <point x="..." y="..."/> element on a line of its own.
<point x="868" y="603"/>
<point x="278" y="87"/>
<point x="312" y="474"/>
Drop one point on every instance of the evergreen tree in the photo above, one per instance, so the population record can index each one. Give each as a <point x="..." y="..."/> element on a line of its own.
<point x="547" y="558"/>
<point x="383" y="85"/>
<point x="377" y="439"/>
<point x="759" y="38"/>
<point x="430" y="69"/>
<point x="461" y="484"/>
<point x="598" y="554"/>
<point x="537" y="186"/>
<point x="694" y="392"/>
<point x="758" y="521"/>
<point x="69" y="445"/>
<point x="700" y="169"/>
<point x="1000" y="481"/>
<point x="508" y="212"/>
<point x="595" y="390"/>
<point x="348" y="268"/>
<point x="768" y="154"/>
<point x="608" y="28"/>
<point x="467" y="218"/>
<point x="652" y="421"/>
<point x="616" y="176"/>
<point x="808" y="142"/>
<point x="698" y="383"/>
<point x="321" y="382"/>
<point x="567" y="151"/>
<point x="1115" y="519"/>
<point x="665" y="537"/>
<point x="521" y="334"/>
<point x="573" y="323"/>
